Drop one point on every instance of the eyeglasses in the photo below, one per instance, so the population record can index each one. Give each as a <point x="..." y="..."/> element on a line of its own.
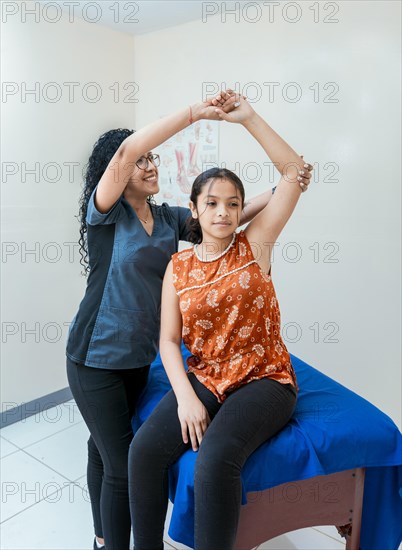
<point x="143" y="162"/>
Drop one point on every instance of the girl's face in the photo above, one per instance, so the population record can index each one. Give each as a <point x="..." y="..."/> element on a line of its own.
<point x="144" y="181"/>
<point x="218" y="208"/>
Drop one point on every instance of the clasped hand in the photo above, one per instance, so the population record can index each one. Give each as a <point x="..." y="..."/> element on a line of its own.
<point x="233" y="107"/>
<point x="227" y="105"/>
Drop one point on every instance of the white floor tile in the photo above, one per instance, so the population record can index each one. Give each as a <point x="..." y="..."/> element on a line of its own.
<point x="82" y="483"/>
<point x="176" y="545"/>
<point x="61" y="521"/>
<point x="43" y="424"/>
<point x="65" y="451"/>
<point x="302" y="539"/>
<point x="42" y="510"/>
<point x="25" y="482"/>
<point x="6" y="448"/>
<point x="330" y="531"/>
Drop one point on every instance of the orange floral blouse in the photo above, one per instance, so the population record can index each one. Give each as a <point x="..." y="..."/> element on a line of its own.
<point x="231" y="319"/>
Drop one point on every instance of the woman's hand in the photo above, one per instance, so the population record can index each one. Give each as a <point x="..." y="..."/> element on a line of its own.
<point x="305" y="175"/>
<point x="233" y="107"/>
<point x="194" y="420"/>
<point x="207" y="109"/>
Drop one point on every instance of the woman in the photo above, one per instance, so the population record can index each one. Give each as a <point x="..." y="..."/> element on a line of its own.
<point x="127" y="241"/>
<point x="240" y="388"/>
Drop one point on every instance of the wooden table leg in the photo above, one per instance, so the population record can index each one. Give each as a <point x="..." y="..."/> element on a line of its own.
<point x="333" y="499"/>
<point x="353" y="539"/>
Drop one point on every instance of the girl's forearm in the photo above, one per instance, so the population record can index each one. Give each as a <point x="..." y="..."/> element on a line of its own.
<point x="279" y="152"/>
<point x="173" y="363"/>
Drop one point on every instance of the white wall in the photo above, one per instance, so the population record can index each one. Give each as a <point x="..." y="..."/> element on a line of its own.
<point x="360" y="294"/>
<point x="359" y="213"/>
<point x="41" y="291"/>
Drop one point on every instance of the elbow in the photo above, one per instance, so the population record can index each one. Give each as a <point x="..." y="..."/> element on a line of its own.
<point x="128" y="151"/>
<point x="167" y="342"/>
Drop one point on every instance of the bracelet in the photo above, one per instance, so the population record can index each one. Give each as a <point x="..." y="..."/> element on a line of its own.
<point x="190" y="118"/>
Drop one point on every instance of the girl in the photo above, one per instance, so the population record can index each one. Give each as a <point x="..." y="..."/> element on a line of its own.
<point x="127" y="240"/>
<point x="240" y="388"/>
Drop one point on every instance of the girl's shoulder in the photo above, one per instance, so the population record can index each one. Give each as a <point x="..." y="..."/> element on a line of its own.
<point x="182" y="267"/>
<point x="183" y="256"/>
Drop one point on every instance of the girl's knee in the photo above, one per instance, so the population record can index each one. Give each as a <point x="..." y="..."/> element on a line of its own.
<point x="213" y="461"/>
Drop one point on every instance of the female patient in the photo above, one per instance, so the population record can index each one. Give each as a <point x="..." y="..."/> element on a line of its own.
<point x="240" y="388"/>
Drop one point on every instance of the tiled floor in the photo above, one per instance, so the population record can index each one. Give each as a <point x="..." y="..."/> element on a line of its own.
<point x="44" y="503"/>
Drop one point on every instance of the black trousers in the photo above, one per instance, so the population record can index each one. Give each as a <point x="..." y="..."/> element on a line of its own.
<point x="107" y="400"/>
<point x="247" y="418"/>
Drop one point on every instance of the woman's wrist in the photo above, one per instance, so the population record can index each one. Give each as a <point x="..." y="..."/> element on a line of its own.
<point x="195" y="112"/>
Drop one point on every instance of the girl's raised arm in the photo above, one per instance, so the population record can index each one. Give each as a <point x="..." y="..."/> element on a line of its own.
<point x="238" y="110"/>
<point x="268" y="224"/>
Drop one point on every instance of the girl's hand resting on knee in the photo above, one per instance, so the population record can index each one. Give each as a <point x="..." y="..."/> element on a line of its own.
<point x="194" y="420"/>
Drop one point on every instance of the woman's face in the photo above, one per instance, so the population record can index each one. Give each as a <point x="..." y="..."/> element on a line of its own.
<point x="144" y="181"/>
<point x="218" y="208"/>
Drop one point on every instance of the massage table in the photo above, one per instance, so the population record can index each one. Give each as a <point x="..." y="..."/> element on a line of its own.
<point x="337" y="462"/>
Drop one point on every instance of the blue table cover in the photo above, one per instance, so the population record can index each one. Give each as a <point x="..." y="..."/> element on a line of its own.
<point x="332" y="429"/>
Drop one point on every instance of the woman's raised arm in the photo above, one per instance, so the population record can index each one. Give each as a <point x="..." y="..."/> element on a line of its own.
<point x="121" y="166"/>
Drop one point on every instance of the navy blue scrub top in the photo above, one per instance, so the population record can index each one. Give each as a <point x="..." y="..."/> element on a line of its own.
<point x="117" y="323"/>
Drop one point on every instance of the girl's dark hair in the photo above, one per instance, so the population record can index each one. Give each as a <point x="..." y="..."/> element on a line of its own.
<point x="102" y="154"/>
<point x="207" y="177"/>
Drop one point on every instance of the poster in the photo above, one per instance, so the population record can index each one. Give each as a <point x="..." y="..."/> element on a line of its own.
<point x="183" y="157"/>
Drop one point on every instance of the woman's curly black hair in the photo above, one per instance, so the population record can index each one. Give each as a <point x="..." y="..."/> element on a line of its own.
<point x="101" y="155"/>
<point x="202" y="179"/>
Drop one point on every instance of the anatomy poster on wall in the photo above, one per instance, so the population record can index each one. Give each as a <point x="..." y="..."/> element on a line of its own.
<point x="183" y="157"/>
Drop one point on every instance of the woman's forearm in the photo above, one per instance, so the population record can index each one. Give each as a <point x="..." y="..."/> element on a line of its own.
<point x="120" y="169"/>
<point x="158" y="132"/>
<point x="253" y="206"/>
<point x="173" y="363"/>
<point x="279" y="152"/>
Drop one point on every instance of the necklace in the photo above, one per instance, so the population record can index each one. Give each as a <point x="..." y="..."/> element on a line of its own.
<point x="145" y="221"/>
<point x="219" y="255"/>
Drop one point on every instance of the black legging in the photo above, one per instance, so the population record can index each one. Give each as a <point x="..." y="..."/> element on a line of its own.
<point x="107" y="400"/>
<point x="247" y="418"/>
